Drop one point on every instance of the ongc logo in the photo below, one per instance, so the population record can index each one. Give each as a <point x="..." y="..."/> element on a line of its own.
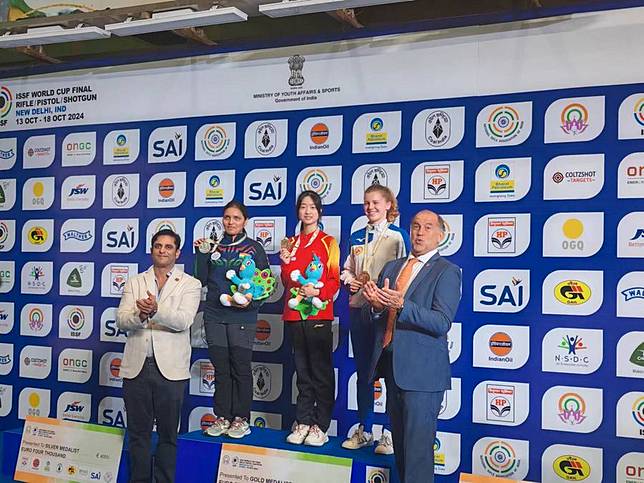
<point x="572" y="292"/>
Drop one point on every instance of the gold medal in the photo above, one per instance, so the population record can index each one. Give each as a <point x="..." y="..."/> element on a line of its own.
<point x="286" y="244"/>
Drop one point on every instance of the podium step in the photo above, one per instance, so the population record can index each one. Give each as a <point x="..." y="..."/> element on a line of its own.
<point x="198" y="456"/>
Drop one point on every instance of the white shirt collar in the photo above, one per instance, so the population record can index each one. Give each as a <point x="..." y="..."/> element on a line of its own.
<point x="378" y="226"/>
<point x="425" y="258"/>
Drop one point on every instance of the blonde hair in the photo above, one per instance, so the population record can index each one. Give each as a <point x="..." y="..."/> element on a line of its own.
<point x="392" y="213"/>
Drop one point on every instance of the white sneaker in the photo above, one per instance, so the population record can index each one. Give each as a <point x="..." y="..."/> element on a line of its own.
<point x="239" y="428"/>
<point x="298" y="433"/>
<point x="218" y="428"/>
<point x="385" y="445"/>
<point x="359" y="439"/>
<point x="316" y="437"/>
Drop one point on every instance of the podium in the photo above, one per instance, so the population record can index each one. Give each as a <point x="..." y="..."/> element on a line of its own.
<point x="198" y="456"/>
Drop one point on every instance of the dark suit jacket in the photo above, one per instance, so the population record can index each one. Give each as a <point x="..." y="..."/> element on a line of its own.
<point x="420" y="353"/>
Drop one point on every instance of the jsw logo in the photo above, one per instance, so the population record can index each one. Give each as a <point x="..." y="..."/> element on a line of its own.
<point x="74" y="407"/>
<point x="80" y="189"/>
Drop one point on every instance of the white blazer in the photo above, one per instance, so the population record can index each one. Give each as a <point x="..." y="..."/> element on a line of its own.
<point x="169" y="328"/>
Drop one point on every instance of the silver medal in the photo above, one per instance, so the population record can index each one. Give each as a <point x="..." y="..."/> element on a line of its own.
<point x="205" y="246"/>
<point x="215" y="256"/>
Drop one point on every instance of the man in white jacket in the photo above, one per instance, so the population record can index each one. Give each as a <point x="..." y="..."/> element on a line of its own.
<point x="157" y="309"/>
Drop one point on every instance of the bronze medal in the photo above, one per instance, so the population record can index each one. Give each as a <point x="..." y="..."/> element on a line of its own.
<point x="363" y="277"/>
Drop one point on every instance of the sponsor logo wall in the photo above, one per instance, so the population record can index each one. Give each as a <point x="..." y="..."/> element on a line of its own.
<point x="549" y="341"/>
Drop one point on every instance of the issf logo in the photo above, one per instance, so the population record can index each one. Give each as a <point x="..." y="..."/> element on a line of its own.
<point x="503" y="124"/>
<point x="6" y="101"/>
<point x="638" y="111"/>
<point x="499" y="459"/>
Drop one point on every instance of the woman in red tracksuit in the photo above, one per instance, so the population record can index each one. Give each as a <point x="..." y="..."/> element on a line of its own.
<point x="311" y="334"/>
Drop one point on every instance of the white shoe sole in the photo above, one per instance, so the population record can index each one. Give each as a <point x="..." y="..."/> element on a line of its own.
<point x="294" y="442"/>
<point x="320" y="443"/>
<point x="239" y="436"/>
<point x="223" y="433"/>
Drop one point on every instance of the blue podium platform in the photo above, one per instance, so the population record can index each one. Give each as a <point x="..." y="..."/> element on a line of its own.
<point x="198" y="455"/>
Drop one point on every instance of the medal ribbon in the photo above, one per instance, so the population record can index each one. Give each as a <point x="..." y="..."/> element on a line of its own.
<point x="368" y="259"/>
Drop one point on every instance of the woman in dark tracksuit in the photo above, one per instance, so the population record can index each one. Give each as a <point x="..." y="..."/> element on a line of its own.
<point x="230" y="328"/>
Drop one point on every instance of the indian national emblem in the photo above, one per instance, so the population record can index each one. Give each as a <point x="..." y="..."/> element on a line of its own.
<point x="296" y="63"/>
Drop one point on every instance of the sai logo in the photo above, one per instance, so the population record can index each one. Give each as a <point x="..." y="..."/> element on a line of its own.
<point x="167" y="144"/>
<point x="120" y="235"/>
<point x="265" y="187"/>
<point x="571" y="467"/>
<point x="500" y="459"/>
<point x="501" y="290"/>
<point x="574" y="118"/>
<point x="572" y="292"/>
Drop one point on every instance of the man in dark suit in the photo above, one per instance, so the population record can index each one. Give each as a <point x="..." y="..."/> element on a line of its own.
<point x="413" y="306"/>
